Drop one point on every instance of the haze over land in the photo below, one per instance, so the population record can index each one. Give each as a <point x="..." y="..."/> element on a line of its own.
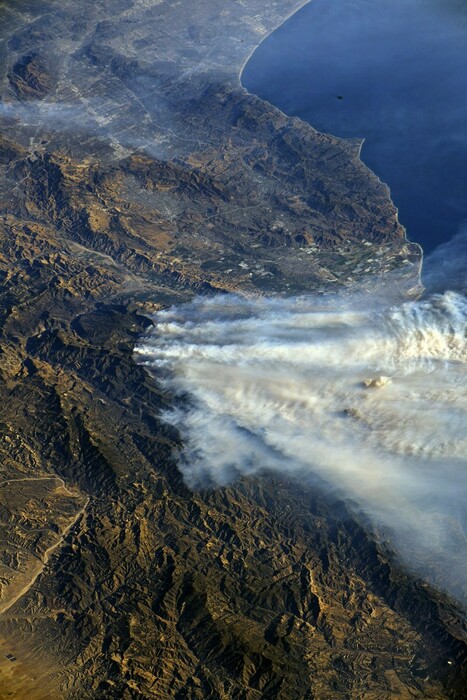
<point x="135" y="174"/>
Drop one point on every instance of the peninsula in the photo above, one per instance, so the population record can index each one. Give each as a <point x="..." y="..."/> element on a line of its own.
<point x="135" y="173"/>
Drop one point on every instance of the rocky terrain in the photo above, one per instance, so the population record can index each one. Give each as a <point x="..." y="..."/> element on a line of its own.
<point x="136" y="173"/>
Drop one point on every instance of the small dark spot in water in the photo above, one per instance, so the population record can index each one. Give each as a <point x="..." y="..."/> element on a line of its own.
<point x="405" y="64"/>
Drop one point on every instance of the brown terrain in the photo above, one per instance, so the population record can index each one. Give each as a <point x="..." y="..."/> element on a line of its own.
<point x="136" y="173"/>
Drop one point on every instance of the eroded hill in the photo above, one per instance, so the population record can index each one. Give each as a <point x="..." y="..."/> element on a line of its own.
<point x="135" y="173"/>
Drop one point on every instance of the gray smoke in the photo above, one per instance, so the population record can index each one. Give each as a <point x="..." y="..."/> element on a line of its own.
<point x="59" y="116"/>
<point x="371" y="400"/>
<point x="446" y="267"/>
<point x="84" y="119"/>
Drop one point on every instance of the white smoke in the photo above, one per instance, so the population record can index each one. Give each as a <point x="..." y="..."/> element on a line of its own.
<point x="372" y="401"/>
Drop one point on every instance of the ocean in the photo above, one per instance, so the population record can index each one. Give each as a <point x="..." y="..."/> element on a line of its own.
<point x="392" y="72"/>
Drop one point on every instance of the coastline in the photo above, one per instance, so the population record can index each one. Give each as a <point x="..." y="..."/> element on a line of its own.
<point x="268" y="34"/>
<point x="325" y="133"/>
<point x="230" y="186"/>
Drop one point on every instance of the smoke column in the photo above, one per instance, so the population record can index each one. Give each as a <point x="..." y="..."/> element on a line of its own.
<point x="371" y="400"/>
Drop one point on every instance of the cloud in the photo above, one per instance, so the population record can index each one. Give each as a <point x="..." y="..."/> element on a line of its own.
<point x="371" y="400"/>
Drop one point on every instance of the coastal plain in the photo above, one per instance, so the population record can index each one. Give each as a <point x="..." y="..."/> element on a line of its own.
<point x="135" y="173"/>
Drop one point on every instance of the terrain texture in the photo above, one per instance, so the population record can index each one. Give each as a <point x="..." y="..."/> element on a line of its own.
<point x="136" y="173"/>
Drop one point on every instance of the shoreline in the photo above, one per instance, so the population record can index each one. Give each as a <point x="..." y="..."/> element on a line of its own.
<point x="359" y="158"/>
<point x="266" y="36"/>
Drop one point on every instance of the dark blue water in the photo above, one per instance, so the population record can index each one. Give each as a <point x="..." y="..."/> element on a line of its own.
<point x="393" y="72"/>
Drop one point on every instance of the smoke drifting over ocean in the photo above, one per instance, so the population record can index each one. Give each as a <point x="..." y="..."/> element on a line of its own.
<point x="371" y="400"/>
<point x="446" y="267"/>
